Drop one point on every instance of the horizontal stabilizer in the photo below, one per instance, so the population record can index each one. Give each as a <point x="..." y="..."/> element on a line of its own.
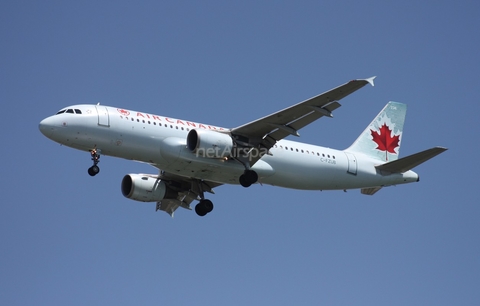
<point x="409" y="162"/>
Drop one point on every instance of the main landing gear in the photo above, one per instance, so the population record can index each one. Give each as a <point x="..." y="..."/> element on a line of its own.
<point x="248" y="178"/>
<point x="203" y="207"/>
<point x="93" y="170"/>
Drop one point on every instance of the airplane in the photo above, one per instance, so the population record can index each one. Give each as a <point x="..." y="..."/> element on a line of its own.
<point x="194" y="158"/>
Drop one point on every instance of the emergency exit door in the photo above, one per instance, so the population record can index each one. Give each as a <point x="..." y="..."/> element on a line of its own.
<point x="103" y="118"/>
<point x="352" y="163"/>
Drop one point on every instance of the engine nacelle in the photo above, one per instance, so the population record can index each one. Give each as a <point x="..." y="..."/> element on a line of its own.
<point x="209" y="144"/>
<point x="143" y="188"/>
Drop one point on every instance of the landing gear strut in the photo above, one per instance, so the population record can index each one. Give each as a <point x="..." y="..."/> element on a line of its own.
<point x="248" y="178"/>
<point x="93" y="170"/>
<point x="203" y="207"/>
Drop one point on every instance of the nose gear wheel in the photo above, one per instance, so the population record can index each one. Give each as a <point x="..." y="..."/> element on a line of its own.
<point x="94" y="170"/>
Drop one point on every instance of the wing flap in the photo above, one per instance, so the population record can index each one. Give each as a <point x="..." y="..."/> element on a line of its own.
<point x="409" y="162"/>
<point x="185" y="190"/>
<point x="310" y="117"/>
<point x="170" y="205"/>
<point x="371" y="190"/>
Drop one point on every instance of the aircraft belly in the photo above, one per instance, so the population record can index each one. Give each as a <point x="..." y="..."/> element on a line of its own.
<point x="216" y="170"/>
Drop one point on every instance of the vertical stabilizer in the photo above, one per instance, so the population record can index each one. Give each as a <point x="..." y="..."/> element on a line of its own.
<point x="382" y="138"/>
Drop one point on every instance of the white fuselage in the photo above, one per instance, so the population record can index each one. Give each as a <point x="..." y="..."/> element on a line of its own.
<point x="161" y="141"/>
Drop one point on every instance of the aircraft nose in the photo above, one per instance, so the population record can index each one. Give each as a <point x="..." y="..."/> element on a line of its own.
<point x="47" y="127"/>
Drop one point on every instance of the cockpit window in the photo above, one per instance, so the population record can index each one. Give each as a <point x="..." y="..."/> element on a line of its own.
<point x="69" y="111"/>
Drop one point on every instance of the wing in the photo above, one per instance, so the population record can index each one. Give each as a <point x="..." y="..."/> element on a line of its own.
<point x="265" y="132"/>
<point x="183" y="191"/>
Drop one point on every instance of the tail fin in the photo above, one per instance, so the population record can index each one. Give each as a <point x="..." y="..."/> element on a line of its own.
<point x="382" y="138"/>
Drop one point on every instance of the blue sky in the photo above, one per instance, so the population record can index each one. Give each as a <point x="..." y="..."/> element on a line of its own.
<point x="67" y="238"/>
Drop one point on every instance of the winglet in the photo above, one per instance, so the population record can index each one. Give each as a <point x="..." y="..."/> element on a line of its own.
<point x="370" y="80"/>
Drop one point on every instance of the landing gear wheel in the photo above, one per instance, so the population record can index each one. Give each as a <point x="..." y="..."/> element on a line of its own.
<point x="93" y="170"/>
<point x="208" y="205"/>
<point x="203" y="207"/>
<point x="243" y="181"/>
<point x="248" y="178"/>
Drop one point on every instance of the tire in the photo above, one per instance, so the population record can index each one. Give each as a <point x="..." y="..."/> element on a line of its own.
<point x="251" y="176"/>
<point x="207" y="205"/>
<point x="93" y="170"/>
<point x="200" y="209"/>
<point x="243" y="181"/>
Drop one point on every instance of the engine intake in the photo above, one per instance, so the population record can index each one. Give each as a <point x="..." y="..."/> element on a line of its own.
<point x="143" y="188"/>
<point x="209" y="144"/>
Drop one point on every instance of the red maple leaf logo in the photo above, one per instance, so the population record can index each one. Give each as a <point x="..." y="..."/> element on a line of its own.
<point x="123" y="112"/>
<point x="385" y="141"/>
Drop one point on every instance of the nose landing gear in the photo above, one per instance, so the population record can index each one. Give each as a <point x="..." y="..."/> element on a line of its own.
<point x="94" y="170"/>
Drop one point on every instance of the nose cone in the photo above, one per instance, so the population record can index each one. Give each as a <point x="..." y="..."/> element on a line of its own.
<point x="47" y="127"/>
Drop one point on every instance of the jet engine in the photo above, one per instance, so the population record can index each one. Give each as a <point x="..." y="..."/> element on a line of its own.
<point x="209" y="144"/>
<point x="144" y="188"/>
